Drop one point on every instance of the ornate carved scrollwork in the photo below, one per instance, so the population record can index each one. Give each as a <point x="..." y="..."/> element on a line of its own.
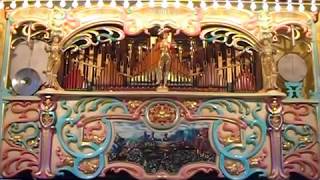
<point x="93" y="37"/>
<point x="300" y="141"/>
<point x="239" y="152"/>
<point x="20" y="145"/>
<point x="229" y="37"/>
<point x="297" y="33"/>
<point x="28" y="31"/>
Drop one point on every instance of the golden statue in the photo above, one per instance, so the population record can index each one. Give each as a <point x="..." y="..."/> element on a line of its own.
<point x="269" y="64"/>
<point x="54" y="63"/>
<point x="270" y="73"/>
<point x="163" y="70"/>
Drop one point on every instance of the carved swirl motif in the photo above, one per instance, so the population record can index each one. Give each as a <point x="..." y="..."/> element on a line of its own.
<point x="20" y="145"/>
<point x="87" y="151"/>
<point x="296" y="33"/>
<point x="29" y="31"/>
<point x="229" y="37"/>
<point x="19" y="134"/>
<point x="300" y="138"/>
<point x="93" y="36"/>
<point x="236" y="158"/>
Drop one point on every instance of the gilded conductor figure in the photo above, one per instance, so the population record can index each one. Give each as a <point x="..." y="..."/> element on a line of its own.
<point x="165" y="58"/>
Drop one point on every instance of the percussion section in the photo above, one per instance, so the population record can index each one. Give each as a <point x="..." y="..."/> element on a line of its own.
<point x="102" y="59"/>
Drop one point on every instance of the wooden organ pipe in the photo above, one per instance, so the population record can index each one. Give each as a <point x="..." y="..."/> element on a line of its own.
<point x="219" y="81"/>
<point x="229" y="70"/>
<point x="65" y="70"/>
<point x="129" y="64"/>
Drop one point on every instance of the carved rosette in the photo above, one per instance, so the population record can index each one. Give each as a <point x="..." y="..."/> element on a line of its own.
<point x="162" y="115"/>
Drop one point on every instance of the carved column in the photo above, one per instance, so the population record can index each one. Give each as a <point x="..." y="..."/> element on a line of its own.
<point x="275" y="122"/>
<point x="47" y="121"/>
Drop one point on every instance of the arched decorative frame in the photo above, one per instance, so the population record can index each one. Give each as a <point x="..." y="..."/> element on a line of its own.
<point x="241" y="40"/>
<point x="238" y="37"/>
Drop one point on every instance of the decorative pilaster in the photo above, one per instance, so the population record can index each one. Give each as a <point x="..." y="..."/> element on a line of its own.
<point x="275" y="122"/>
<point x="47" y="122"/>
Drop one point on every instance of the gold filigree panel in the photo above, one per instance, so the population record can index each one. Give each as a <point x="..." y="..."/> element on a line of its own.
<point x="183" y="19"/>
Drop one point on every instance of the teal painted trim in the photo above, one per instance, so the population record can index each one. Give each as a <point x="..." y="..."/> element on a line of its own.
<point x="249" y="139"/>
<point x="72" y="117"/>
<point x="5" y="61"/>
<point x="315" y="55"/>
<point x="294" y="89"/>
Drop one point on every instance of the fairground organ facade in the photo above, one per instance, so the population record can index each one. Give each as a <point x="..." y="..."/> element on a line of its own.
<point x="159" y="89"/>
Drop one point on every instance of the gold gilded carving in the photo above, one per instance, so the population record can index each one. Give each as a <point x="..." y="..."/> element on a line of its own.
<point x="89" y="167"/>
<point x="234" y="168"/>
<point x="164" y="63"/>
<point x="191" y="105"/>
<point x="133" y="105"/>
<point x="162" y="114"/>
<point x="185" y="19"/>
<point x="29" y="31"/>
<point x="54" y="60"/>
<point x="54" y="63"/>
<point x="269" y="67"/>
<point x="231" y="139"/>
<point x="230" y="37"/>
<point x="64" y="159"/>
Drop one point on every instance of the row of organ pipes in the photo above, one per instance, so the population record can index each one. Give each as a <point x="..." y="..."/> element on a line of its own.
<point x="131" y="65"/>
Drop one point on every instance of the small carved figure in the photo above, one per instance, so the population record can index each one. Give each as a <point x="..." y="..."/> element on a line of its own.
<point x="270" y="72"/>
<point x="165" y="59"/>
<point x="53" y="63"/>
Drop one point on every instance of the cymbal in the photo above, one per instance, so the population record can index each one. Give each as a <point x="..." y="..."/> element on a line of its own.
<point x="26" y="82"/>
